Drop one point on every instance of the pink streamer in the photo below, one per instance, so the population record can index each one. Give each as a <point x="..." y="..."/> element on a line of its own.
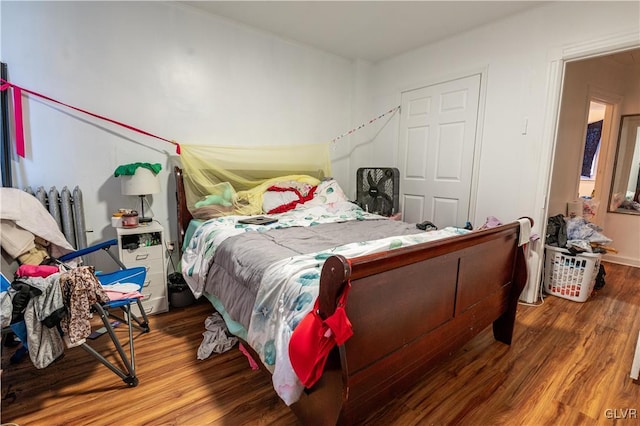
<point x="17" y="104"/>
<point x="17" y="112"/>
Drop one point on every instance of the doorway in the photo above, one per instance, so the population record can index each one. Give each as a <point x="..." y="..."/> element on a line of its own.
<point x="606" y="85"/>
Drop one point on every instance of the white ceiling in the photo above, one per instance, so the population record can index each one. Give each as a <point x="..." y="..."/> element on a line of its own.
<point x="368" y="30"/>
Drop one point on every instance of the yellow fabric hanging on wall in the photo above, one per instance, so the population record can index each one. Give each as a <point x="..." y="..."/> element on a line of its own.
<point x="250" y="170"/>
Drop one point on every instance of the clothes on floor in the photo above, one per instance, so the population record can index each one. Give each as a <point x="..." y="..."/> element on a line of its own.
<point x="252" y="363"/>
<point x="215" y="337"/>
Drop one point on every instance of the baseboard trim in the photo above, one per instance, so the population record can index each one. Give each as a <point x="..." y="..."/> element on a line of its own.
<point x="621" y="260"/>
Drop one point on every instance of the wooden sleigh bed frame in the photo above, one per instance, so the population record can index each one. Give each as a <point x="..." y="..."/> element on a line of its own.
<point x="410" y="308"/>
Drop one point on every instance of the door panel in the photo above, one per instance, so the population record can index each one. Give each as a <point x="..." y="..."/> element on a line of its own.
<point x="413" y="208"/>
<point x="416" y="166"/>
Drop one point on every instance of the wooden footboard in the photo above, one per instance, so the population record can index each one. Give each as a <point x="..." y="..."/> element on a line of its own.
<point x="410" y="308"/>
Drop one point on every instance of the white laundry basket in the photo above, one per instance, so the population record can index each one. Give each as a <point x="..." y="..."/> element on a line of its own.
<point x="568" y="276"/>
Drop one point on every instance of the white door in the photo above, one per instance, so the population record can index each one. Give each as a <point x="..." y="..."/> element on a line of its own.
<point x="436" y="149"/>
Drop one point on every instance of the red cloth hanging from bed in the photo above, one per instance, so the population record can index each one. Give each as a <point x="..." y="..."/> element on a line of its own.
<point x="313" y="339"/>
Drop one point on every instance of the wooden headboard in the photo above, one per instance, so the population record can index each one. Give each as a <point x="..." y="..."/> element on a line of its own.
<point x="184" y="215"/>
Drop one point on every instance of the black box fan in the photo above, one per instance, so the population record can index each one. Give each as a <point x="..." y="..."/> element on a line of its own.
<point x="378" y="190"/>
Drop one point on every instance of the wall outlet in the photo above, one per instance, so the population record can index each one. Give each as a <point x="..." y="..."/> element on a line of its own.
<point x="171" y="245"/>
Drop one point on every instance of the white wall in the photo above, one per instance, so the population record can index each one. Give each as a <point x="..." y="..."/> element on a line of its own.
<point x="167" y="69"/>
<point x="517" y="55"/>
<point x="196" y="78"/>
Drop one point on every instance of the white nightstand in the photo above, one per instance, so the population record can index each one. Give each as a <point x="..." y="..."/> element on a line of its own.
<point x="144" y="246"/>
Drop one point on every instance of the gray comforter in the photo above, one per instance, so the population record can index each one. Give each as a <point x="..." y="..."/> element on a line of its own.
<point x="240" y="261"/>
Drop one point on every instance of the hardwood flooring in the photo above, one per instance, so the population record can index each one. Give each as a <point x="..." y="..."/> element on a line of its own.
<point x="569" y="364"/>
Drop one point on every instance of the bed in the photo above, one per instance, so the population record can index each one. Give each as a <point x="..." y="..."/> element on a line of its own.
<point x="456" y="287"/>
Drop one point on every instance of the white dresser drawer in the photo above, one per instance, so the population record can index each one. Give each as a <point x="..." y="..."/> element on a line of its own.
<point x="141" y="254"/>
<point x="144" y="246"/>
<point x="154" y="283"/>
<point x="151" y="265"/>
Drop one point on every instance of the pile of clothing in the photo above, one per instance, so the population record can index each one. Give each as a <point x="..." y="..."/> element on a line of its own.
<point x="45" y="305"/>
<point x="47" y="308"/>
<point x="576" y="234"/>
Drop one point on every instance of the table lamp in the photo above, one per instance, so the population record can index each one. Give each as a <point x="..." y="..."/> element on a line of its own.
<point x="141" y="183"/>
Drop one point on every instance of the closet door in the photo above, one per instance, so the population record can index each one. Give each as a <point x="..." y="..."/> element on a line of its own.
<point x="436" y="151"/>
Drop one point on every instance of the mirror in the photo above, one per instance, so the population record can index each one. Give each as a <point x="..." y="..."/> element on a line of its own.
<point x="625" y="186"/>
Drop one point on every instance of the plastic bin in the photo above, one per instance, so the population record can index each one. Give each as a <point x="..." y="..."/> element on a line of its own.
<point x="180" y="294"/>
<point x="568" y="276"/>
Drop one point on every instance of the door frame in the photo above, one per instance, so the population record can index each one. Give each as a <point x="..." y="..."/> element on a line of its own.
<point x="558" y="57"/>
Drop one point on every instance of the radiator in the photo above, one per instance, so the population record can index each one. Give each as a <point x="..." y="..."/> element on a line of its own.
<point x="67" y="210"/>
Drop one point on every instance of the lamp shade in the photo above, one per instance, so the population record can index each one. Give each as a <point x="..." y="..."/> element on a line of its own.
<point x="143" y="182"/>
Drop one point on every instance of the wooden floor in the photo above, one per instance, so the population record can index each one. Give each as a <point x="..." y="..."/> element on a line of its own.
<point x="569" y="364"/>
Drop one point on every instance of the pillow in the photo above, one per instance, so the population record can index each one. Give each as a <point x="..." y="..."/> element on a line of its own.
<point x="272" y="200"/>
<point x="327" y="192"/>
<point x="285" y="196"/>
<point x="301" y="187"/>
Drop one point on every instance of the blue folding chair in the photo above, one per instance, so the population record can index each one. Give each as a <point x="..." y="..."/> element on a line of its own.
<point x="119" y="309"/>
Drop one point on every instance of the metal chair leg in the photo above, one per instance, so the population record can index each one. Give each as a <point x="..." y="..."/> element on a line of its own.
<point x="128" y="372"/>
